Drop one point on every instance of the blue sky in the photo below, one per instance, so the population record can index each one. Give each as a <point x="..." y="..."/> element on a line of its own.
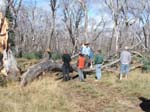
<point x="40" y="3"/>
<point x="96" y="8"/>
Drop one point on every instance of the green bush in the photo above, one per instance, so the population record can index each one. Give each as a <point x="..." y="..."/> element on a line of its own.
<point x="38" y="55"/>
<point x="56" y="56"/>
<point x="33" y="55"/>
<point x="146" y="63"/>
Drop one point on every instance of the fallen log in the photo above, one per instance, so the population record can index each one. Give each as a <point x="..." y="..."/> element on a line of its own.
<point x="74" y="56"/>
<point x="49" y="65"/>
<point x="37" y="69"/>
<point x="103" y="66"/>
<point x="136" y="66"/>
<point x="137" y="53"/>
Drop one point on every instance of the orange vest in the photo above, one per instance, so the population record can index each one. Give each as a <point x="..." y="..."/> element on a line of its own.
<point x="81" y="62"/>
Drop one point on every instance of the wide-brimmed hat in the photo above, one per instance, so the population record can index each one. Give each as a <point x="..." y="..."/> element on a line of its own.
<point x="87" y="43"/>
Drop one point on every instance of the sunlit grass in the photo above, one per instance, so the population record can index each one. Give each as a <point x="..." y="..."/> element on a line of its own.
<point x="40" y="96"/>
<point x="49" y="95"/>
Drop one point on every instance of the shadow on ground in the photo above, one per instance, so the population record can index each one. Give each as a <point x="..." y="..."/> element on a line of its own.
<point x="145" y="104"/>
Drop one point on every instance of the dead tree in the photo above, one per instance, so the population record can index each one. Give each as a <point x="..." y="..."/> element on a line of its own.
<point x="97" y="29"/>
<point x="9" y="63"/>
<point x="142" y="15"/>
<point x="14" y="7"/>
<point x="85" y="8"/>
<point x="72" y="19"/>
<point x="52" y="39"/>
<point x="116" y="7"/>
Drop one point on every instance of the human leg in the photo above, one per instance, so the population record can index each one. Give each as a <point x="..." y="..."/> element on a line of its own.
<point x="64" y="70"/>
<point x="126" y="71"/>
<point x="67" y="73"/>
<point x="98" y="71"/>
<point x="81" y="76"/>
<point x="122" y="68"/>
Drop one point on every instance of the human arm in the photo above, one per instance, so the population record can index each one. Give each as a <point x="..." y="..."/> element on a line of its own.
<point x="95" y="59"/>
<point x="129" y="58"/>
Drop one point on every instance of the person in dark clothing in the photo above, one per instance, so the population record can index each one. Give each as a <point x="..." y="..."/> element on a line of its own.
<point x="66" y="58"/>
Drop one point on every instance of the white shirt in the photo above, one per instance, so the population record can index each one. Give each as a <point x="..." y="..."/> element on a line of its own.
<point x="86" y="50"/>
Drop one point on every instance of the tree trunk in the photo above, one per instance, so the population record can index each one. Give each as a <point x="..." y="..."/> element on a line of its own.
<point x="48" y="65"/>
<point x="37" y="69"/>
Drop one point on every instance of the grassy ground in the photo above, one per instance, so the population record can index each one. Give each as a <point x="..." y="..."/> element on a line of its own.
<point x="50" y="95"/>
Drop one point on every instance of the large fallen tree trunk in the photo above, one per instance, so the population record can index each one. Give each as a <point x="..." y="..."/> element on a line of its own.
<point x="115" y="62"/>
<point x="133" y="67"/>
<point x="48" y="65"/>
<point x="37" y="69"/>
<point x="103" y="66"/>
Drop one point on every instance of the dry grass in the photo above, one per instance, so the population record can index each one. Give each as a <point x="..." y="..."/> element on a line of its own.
<point x="49" y="95"/>
<point x="41" y="96"/>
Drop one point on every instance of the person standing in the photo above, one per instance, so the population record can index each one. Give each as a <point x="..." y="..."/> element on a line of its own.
<point x="86" y="52"/>
<point x="81" y="65"/>
<point x="125" y="59"/>
<point x="98" y="60"/>
<point x="66" y="58"/>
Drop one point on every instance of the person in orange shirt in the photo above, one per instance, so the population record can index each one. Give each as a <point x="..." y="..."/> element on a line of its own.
<point x="81" y="65"/>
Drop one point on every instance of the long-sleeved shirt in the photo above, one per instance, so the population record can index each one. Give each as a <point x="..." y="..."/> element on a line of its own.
<point x="86" y="51"/>
<point x="98" y="59"/>
<point x="66" y="58"/>
<point x="125" y="57"/>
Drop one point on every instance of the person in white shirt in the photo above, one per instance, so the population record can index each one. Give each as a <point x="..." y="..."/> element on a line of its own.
<point x="86" y="52"/>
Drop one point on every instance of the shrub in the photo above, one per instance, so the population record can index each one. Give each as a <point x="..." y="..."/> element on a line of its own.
<point x="33" y="55"/>
<point x="56" y="56"/>
<point x="38" y="55"/>
<point x="146" y="63"/>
